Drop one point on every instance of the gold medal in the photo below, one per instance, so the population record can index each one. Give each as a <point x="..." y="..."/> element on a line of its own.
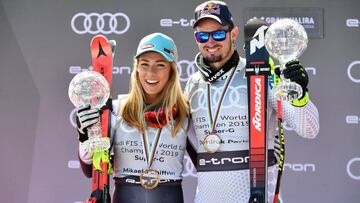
<point x="212" y="142"/>
<point x="149" y="179"/>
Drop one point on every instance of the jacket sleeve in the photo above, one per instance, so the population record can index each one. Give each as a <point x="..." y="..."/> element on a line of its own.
<point x="86" y="167"/>
<point x="85" y="158"/>
<point x="304" y="120"/>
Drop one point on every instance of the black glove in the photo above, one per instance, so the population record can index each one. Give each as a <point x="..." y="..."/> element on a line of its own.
<point x="85" y="117"/>
<point x="297" y="73"/>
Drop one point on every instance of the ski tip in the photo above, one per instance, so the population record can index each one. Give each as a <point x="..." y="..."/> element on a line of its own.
<point x="98" y="38"/>
<point x="99" y="45"/>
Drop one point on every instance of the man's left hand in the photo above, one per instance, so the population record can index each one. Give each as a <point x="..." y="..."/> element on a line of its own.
<point x="296" y="73"/>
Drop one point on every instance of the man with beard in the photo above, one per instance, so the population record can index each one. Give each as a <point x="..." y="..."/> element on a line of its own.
<point x="217" y="95"/>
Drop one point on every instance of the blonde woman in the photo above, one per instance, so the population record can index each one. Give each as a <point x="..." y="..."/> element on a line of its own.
<point x="149" y="127"/>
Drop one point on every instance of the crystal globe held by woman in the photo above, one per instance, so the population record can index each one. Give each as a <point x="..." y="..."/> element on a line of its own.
<point x="91" y="88"/>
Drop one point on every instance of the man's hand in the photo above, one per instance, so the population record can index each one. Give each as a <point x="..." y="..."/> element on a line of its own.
<point x="296" y="73"/>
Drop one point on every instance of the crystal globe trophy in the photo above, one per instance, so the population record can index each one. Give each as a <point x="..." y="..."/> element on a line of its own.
<point x="286" y="40"/>
<point x="90" y="87"/>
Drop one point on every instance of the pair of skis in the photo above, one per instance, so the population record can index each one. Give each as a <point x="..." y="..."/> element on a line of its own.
<point x="102" y="51"/>
<point x="257" y="72"/>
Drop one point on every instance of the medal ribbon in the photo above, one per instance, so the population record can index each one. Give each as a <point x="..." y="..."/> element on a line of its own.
<point x="149" y="152"/>
<point x="213" y="123"/>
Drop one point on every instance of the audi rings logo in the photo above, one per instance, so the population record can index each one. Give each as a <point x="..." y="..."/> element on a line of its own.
<point x="350" y="72"/>
<point x="189" y="169"/>
<point x="234" y="97"/>
<point x="95" y="23"/>
<point x="353" y="164"/>
<point x="186" y="69"/>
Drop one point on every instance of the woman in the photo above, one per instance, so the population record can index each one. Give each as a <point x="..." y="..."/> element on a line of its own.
<point x="148" y="127"/>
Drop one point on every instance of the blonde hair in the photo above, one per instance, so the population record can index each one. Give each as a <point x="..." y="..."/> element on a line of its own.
<point x="132" y="110"/>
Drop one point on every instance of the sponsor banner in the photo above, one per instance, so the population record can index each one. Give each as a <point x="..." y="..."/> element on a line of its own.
<point x="352" y="119"/>
<point x="73" y="164"/>
<point x="182" y="22"/>
<point x="100" y="23"/>
<point x="300" y="167"/>
<point x="75" y="69"/>
<point x="352" y="22"/>
<point x="312" y="19"/>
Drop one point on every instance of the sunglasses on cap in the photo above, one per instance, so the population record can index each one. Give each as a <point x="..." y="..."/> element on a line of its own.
<point x="217" y="35"/>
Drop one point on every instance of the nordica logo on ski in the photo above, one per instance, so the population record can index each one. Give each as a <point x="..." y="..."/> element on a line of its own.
<point x="256" y="119"/>
<point x="260" y="42"/>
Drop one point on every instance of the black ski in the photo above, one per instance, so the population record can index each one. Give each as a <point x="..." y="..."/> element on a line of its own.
<point x="257" y="72"/>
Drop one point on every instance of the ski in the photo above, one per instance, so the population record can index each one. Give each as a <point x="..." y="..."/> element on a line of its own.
<point x="280" y="143"/>
<point x="257" y="72"/>
<point x="102" y="61"/>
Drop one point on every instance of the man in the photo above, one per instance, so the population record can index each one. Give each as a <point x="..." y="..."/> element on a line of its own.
<point x="217" y="95"/>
